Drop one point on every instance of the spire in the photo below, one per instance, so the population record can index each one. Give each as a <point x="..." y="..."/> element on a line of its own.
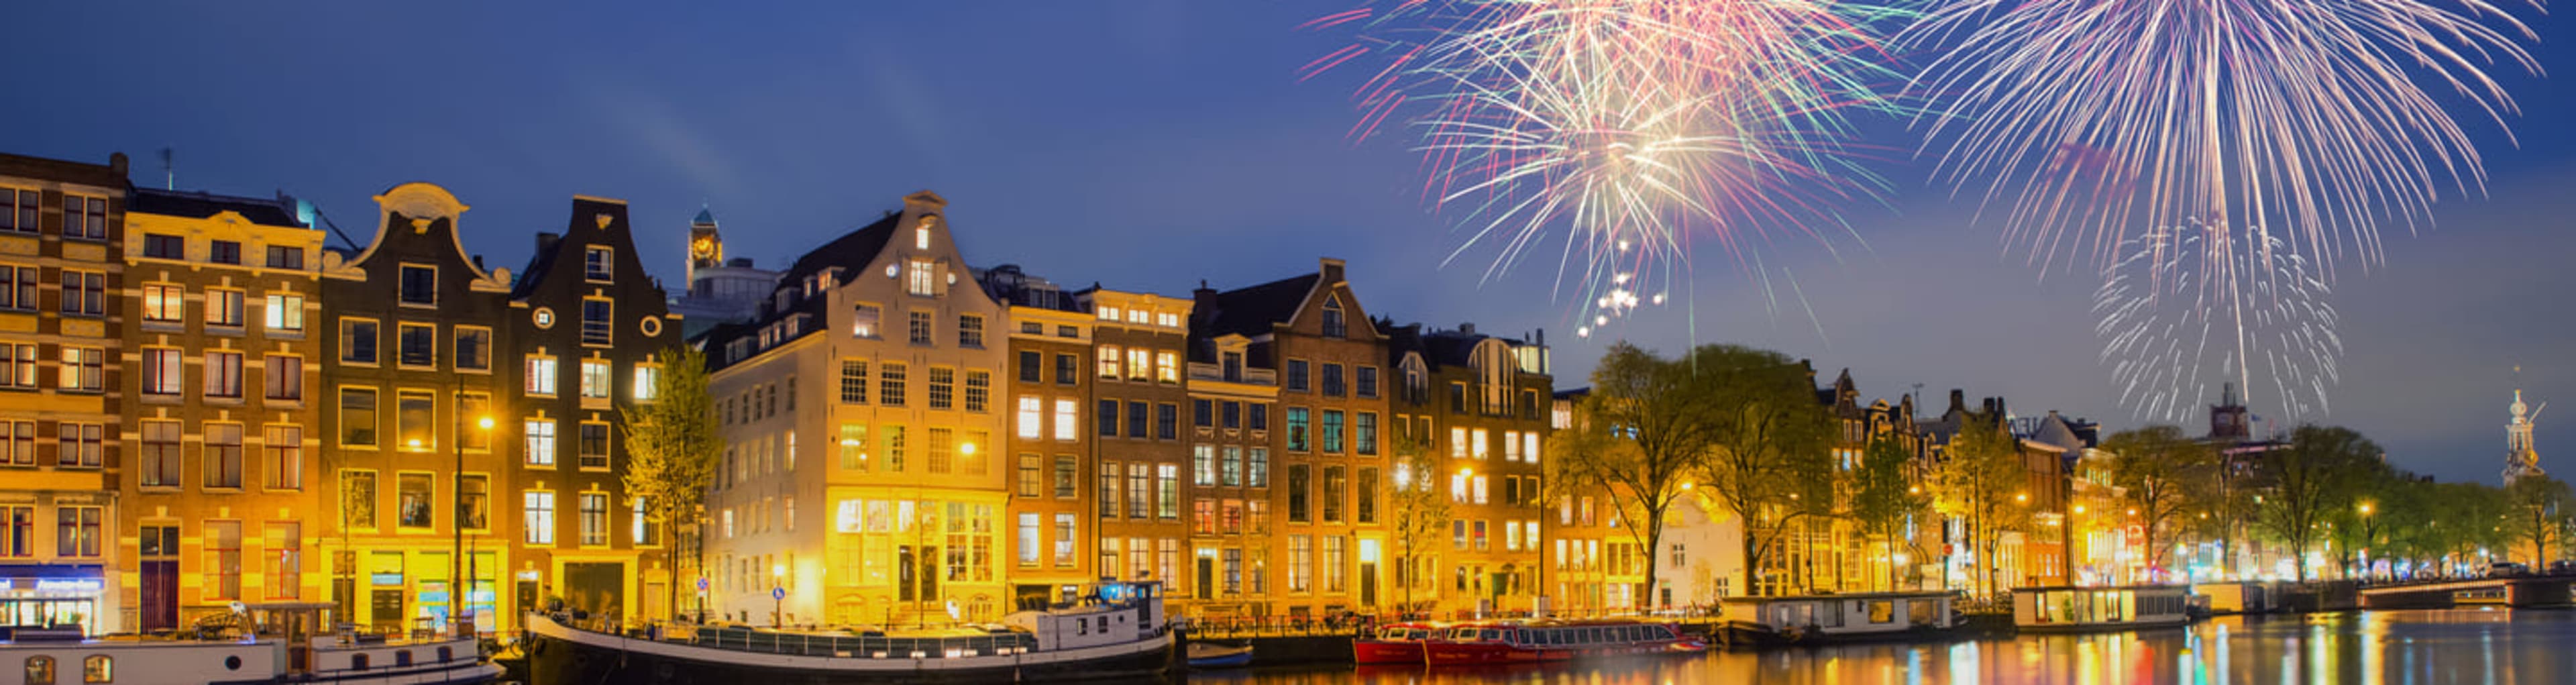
<point x="706" y="217"/>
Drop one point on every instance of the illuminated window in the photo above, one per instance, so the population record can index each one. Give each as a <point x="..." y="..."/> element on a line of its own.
<point x="164" y="303"/>
<point x="595" y="378"/>
<point x="917" y="279"/>
<point x="1167" y="367"/>
<point x="1108" y="361"/>
<point x="1068" y="422"/>
<point x="541" y="375"/>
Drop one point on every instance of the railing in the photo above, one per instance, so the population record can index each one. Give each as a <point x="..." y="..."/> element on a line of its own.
<point x="864" y="647"/>
<point x="1231" y="627"/>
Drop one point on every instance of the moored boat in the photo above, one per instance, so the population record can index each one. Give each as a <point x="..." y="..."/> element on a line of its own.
<point x="2081" y="609"/>
<point x="1210" y="655"/>
<point x="255" y="643"/>
<point x="1117" y="630"/>
<point x="1822" y="619"/>
<point x="1508" y="642"/>
<point x="1397" y="643"/>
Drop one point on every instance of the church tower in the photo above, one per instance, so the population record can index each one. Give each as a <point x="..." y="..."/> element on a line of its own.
<point x="706" y="249"/>
<point x="2520" y="459"/>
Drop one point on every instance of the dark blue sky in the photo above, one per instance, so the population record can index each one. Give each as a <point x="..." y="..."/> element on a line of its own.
<point x="1152" y="144"/>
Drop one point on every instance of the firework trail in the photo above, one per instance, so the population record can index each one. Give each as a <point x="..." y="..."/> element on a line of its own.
<point x="2191" y="306"/>
<point x="2318" y="117"/>
<point x="1629" y="127"/>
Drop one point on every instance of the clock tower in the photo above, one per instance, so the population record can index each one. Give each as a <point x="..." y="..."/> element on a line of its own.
<point x="706" y="249"/>
<point x="2520" y="459"/>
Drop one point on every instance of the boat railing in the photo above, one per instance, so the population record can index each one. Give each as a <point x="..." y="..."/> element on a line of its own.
<point x="1230" y="627"/>
<point x="853" y="646"/>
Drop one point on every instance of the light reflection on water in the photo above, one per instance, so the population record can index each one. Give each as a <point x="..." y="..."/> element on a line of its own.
<point x="2375" y="648"/>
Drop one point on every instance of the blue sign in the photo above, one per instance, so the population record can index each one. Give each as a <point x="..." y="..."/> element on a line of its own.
<point x="779" y="593"/>
<point x="702" y="584"/>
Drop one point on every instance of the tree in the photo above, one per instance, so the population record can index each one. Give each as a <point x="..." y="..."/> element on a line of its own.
<point x="1767" y="458"/>
<point x="1421" y="512"/>
<point x="1984" y="483"/>
<point x="672" y="446"/>
<point x="2536" y="515"/>
<point x="2161" y="473"/>
<point x="2309" y="482"/>
<point x="1884" y="498"/>
<point x="1637" y="437"/>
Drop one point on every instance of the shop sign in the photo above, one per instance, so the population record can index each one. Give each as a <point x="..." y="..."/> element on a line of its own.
<point x="69" y="585"/>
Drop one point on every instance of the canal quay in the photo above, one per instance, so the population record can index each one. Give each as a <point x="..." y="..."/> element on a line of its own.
<point x="2476" y="645"/>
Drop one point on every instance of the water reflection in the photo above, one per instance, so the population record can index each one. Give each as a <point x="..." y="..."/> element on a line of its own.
<point x="2377" y="648"/>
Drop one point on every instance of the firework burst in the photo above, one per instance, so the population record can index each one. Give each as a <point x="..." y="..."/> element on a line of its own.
<point x="1631" y="128"/>
<point x="2201" y="304"/>
<point x="2089" y="118"/>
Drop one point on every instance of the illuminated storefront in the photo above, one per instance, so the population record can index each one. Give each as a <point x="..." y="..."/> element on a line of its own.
<point x="53" y="594"/>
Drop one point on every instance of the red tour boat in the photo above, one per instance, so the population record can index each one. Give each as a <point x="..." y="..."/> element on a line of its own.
<point x="1398" y="643"/>
<point x="1507" y="642"/>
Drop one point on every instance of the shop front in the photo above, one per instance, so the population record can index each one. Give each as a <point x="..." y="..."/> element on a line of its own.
<point x="56" y="595"/>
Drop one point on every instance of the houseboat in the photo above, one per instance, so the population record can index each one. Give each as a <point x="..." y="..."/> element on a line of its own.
<point x="1513" y="642"/>
<point x="1116" y="630"/>
<point x="2080" y="609"/>
<point x="253" y="643"/>
<point x="1819" y="619"/>
<point x="1395" y="643"/>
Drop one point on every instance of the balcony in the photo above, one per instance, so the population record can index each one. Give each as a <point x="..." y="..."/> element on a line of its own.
<point x="1203" y="371"/>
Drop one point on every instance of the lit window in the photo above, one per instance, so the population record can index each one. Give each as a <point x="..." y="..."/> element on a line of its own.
<point x="647" y="376"/>
<point x="1109" y="313"/>
<point x="598" y="263"/>
<point x="541" y="375"/>
<point x="1068" y="424"/>
<point x="595" y="378"/>
<point x="1032" y="414"/>
<point x="917" y="279"/>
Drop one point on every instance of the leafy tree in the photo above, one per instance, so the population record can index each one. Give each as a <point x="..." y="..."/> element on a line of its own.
<point x="2163" y="474"/>
<point x="1421" y="512"/>
<point x="1637" y="438"/>
<point x="2309" y="482"/>
<point x="1884" y="498"/>
<point x="2536" y="515"/>
<point x="672" y="446"/>
<point x="1767" y="458"/>
<point x="1984" y="483"/>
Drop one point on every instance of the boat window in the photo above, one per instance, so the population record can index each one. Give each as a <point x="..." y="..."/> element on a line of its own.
<point x="40" y="670"/>
<point x="98" y="668"/>
<point x="446" y="654"/>
<point x="402" y="657"/>
<point x="358" y="662"/>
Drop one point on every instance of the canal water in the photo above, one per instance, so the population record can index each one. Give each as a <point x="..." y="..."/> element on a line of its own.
<point x="2373" y="648"/>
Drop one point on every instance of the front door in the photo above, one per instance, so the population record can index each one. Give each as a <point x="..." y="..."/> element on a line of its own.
<point x="1206" y="587"/>
<point x="907" y="580"/>
<point x="159" y="608"/>
<point x="1368" y="583"/>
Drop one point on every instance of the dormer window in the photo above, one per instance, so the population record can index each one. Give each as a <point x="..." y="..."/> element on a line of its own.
<point x="598" y="263"/>
<point x="1334" y="327"/>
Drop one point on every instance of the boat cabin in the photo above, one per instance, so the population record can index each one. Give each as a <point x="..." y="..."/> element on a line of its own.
<point x="1102" y="614"/>
<point x="1842" y="615"/>
<point x="2100" y="608"/>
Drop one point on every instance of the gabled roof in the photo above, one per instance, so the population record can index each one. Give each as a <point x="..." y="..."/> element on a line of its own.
<point x="852" y="251"/>
<point x="198" y="205"/>
<point x="1254" y="311"/>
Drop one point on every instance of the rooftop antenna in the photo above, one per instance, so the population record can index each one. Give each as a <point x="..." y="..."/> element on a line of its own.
<point x="169" y="169"/>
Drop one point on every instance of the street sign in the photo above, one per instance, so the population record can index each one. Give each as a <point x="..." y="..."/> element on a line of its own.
<point x="702" y="584"/>
<point x="778" y="593"/>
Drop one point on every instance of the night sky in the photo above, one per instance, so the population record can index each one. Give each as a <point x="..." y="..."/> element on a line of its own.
<point x="1149" y="145"/>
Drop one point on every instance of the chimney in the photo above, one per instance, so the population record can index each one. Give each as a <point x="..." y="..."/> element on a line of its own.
<point x="1468" y="328"/>
<point x="1958" y="400"/>
<point x="1203" y="302"/>
<point x="117" y="163"/>
<point x="1331" y="270"/>
<point x="546" y="241"/>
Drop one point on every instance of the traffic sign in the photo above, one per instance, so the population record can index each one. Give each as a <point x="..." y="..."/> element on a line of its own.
<point x="702" y="584"/>
<point x="778" y="593"/>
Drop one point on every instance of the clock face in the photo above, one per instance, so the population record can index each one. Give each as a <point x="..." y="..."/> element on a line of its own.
<point x="703" y="246"/>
